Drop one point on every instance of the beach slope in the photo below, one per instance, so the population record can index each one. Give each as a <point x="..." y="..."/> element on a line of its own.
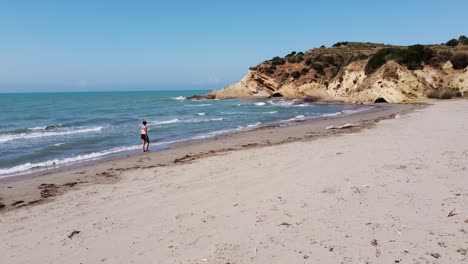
<point x="395" y="193"/>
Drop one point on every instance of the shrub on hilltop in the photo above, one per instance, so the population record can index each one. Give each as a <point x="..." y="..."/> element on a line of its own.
<point x="338" y="44"/>
<point x="463" y="40"/>
<point x="459" y="61"/>
<point x="452" y="43"/>
<point x="277" y="61"/>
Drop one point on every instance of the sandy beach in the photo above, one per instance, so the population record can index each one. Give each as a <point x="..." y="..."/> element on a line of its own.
<point x="393" y="189"/>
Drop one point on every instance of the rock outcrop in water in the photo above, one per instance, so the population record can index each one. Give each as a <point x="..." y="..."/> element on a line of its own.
<point x="359" y="73"/>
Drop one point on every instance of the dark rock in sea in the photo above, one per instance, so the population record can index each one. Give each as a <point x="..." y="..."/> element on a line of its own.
<point x="311" y="99"/>
<point x="201" y="97"/>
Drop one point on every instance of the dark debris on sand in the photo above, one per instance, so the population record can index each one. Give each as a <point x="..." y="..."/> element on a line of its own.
<point x="17" y="202"/>
<point x="48" y="190"/>
<point x="70" y="184"/>
<point x="73" y="233"/>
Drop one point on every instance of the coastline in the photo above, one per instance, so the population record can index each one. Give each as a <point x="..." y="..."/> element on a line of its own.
<point x="395" y="193"/>
<point x="39" y="187"/>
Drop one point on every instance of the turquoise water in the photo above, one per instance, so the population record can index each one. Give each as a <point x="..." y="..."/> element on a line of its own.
<point x="46" y="130"/>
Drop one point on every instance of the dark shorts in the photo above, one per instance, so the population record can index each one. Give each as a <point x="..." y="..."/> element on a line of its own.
<point x="145" y="137"/>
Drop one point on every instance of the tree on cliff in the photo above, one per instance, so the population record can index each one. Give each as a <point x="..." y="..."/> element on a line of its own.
<point x="452" y="43"/>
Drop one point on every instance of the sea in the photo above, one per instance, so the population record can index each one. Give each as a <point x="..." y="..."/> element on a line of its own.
<point x="40" y="131"/>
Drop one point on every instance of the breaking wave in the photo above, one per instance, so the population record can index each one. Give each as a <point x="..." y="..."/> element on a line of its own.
<point x="22" y="136"/>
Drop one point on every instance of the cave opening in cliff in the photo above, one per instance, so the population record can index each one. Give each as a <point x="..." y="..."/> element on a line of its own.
<point x="276" y="95"/>
<point x="380" y="100"/>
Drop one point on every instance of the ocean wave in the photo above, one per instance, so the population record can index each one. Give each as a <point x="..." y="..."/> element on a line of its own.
<point x="288" y="103"/>
<point x="232" y="113"/>
<point x="260" y="104"/>
<point x="197" y="105"/>
<point x="225" y="131"/>
<point x="10" y="137"/>
<point x="37" y="128"/>
<point x="300" y="105"/>
<point x="55" y="162"/>
<point x="352" y="111"/>
<point x="165" y="122"/>
<point x="172" y="121"/>
<point x="284" y="103"/>
<point x="179" y="98"/>
<point x="204" y="120"/>
<point x="216" y="133"/>
<point x="254" y="125"/>
<point x="331" y="114"/>
<point x="48" y="127"/>
<point x="201" y="114"/>
<point x="270" y="112"/>
<point x="296" y="118"/>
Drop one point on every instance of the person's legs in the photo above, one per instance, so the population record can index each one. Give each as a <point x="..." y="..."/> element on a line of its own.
<point x="147" y="143"/>
<point x="143" y="142"/>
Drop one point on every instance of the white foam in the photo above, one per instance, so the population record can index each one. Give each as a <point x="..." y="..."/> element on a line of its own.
<point x="352" y="111"/>
<point x="204" y="120"/>
<point x="10" y="137"/>
<point x="282" y="102"/>
<point x="214" y="119"/>
<point x="37" y="128"/>
<point x="48" y="127"/>
<point x="197" y="105"/>
<point x="164" y="122"/>
<point x="233" y="113"/>
<point x="179" y="98"/>
<point x="254" y="125"/>
<point x="201" y="114"/>
<point x="55" y="162"/>
<point x="271" y="112"/>
<point x="260" y="104"/>
<point x="332" y="114"/>
<point x="296" y="118"/>
<point x="172" y="121"/>
<point x="216" y="133"/>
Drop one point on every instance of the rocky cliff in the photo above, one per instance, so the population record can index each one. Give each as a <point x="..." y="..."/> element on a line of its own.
<point x="359" y="73"/>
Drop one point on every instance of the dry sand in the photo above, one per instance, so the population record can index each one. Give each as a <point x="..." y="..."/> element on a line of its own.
<point x="396" y="193"/>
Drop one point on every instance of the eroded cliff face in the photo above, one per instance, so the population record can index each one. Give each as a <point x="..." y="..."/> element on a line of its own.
<point x="392" y="83"/>
<point x="344" y="78"/>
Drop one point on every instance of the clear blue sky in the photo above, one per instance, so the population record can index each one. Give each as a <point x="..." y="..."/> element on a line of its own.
<point x="144" y="45"/>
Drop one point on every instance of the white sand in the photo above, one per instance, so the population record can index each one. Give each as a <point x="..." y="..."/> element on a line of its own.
<point x="322" y="201"/>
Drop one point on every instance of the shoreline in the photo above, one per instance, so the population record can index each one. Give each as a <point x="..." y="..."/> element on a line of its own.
<point x="394" y="193"/>
<point x="39" y="187"/>
<point x="37" y="167"/>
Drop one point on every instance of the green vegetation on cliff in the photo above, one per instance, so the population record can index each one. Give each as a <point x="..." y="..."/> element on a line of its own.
<point x="413" y="57"/>
<point x="323" y="64"/>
